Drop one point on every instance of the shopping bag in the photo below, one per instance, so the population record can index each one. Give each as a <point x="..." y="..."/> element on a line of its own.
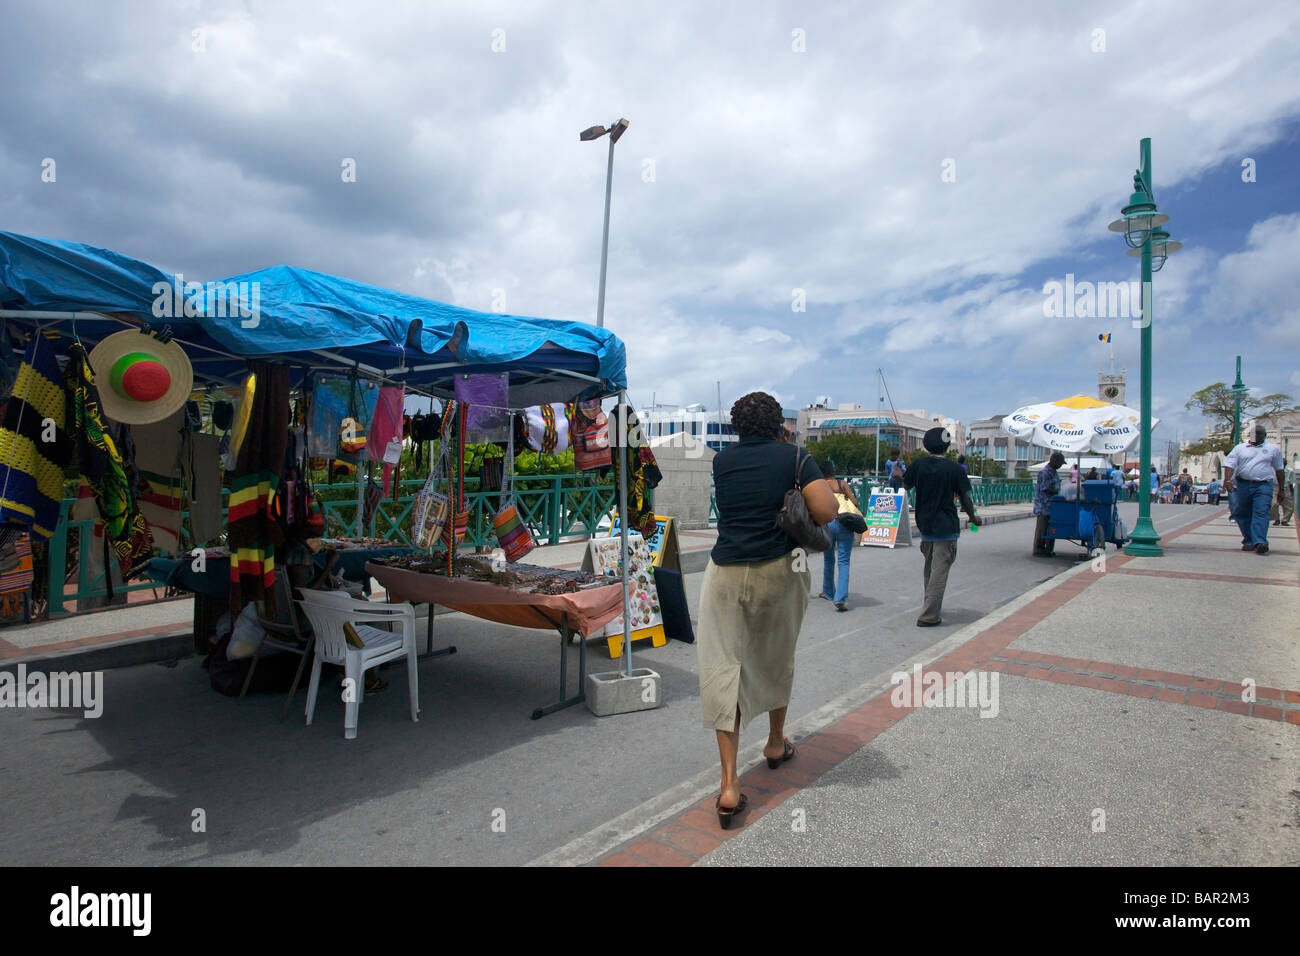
<point x="512" y="533"/>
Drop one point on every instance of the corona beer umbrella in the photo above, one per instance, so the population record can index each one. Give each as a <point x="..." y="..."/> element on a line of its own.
<point x="1076" y="425"/>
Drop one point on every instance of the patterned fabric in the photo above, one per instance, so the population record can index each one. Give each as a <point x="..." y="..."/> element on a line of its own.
<point x="159" y="483"/>
<point x="31" y="469"/>
<point x="589" y="435"/>
<point x="101" y="465"/>
<point x="19" y="579"/>
<point x="253" y="531"/>
<point x="642" y="474"/>
<point x="548" y="428"/>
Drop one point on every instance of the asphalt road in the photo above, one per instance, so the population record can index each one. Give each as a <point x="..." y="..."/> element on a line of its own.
<point x="475" y="781"/>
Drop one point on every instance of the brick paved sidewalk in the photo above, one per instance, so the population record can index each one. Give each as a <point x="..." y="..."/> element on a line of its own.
<point x="1220" y="685"/>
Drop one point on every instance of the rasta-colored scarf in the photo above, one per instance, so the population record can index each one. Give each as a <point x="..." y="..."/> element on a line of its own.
<point x="253" y="531"/>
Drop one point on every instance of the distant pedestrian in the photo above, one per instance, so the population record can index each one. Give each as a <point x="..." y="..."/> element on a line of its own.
<point x="1091" y="475"/>
<point x="938" y="481"/>
<point x="1249" y="472"/>
<point x="842" y="542"/>
<point x="961" y="460"/>
<point x="895" y="468"/>
<point x="1213" y="490"/>
<point x="1185" y="487"/>
<point x="1116" y="477"/>
<point x="1283" y="509"/>
<point x="1047" y="485"/>
<point x="1155" y="483"/>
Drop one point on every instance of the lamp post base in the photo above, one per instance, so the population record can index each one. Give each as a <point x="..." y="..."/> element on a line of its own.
<point x="1144" y="542"/>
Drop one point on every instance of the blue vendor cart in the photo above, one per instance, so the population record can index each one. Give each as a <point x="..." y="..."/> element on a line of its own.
<point x="1092" y="520"/>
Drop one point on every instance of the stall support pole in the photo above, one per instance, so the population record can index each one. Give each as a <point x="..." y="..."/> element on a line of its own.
<point x="579" y="697"/>
<point x="361" y="495"/>
<point x="621" y="446"/>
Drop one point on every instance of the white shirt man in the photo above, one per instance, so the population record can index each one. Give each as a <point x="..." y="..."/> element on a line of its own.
<point x="1254" y="465"/>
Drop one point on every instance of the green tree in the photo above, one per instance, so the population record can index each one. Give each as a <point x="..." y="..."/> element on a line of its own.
<point x="1216" y="403"/>
<point x="847" y="451"/>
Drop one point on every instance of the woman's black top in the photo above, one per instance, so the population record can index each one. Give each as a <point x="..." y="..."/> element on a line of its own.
<point x="750" y="479"/>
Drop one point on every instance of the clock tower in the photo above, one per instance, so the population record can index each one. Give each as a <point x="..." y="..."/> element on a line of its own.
<point x="1110" y="388"/>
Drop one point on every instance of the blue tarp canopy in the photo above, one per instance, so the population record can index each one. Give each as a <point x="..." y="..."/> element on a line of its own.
<point x="306" y="319"/>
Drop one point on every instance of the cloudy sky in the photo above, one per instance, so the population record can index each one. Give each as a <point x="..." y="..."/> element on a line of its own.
<point x="909" y="175"/>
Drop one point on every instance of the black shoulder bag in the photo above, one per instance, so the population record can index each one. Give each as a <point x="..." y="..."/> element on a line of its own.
<point x="794" y="519"/>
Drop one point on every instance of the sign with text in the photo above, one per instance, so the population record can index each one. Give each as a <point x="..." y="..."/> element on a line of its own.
<point x="884" y="508"/>
<point x="663" y="543"/>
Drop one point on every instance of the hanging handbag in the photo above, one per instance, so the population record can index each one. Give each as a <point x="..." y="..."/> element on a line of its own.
<point x="512" y="533"/>
<point x="590" y="437"/>
<point x="431" y="507"/>
<point x="794" y="519"/>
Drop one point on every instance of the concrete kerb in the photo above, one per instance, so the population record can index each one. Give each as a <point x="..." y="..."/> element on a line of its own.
<point x="649" y="814"/>
<point x="128" y="652"/>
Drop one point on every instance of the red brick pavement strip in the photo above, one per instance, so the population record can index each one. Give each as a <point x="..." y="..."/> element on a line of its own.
<point x="1271" y="703"/>
<point x="683" y="839"/>
<point x="1204" y="576"/>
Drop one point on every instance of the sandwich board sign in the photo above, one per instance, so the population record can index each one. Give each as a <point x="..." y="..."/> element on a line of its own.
<point x="884" y="509"/>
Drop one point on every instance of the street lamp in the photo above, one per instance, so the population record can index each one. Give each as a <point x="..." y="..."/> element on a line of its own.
<point x="1238" y="390"/>
<point x="1140" y="223"/>
<point x="586" y="136"/>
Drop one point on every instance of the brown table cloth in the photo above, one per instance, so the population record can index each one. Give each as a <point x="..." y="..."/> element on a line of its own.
<point x="587" y="611"/>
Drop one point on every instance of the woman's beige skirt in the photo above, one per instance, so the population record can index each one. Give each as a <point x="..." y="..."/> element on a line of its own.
<point x="750" y="615"/>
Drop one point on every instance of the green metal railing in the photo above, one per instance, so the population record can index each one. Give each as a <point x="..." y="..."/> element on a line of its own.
<point x="88" y="586"/>
<point x="554" y="507"/>
<point x="984" y="492"/>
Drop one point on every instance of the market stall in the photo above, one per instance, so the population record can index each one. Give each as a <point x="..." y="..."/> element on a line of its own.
<point x="261" y="337"/>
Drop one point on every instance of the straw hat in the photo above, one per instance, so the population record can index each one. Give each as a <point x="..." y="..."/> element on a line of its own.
<point x="140" y="380"/>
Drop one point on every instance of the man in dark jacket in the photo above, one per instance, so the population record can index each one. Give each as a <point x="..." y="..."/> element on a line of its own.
<point x="1047" y="485"/>
<point x="938" y="483"/>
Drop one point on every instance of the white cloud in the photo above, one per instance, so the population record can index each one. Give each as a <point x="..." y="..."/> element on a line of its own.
<point x="774" y="170"/>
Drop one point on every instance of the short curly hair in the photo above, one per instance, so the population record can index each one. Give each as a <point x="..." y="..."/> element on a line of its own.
<point x="757" y="415"/>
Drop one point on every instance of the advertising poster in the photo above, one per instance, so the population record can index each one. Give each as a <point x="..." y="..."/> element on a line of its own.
<point x="882" y="514"/>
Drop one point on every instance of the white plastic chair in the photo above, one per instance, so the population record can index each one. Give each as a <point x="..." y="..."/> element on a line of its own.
<point x="328" y="611"/>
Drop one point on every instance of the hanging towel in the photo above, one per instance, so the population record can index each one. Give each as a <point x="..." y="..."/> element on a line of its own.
<point x="488" y="397"/>
<point x="31" y="469"/>
<point x="199" y="459"/>
<point x="158" y="461"/>
<point x="386" y="426"/>
<point x="329" y="406"/>
<point x="253" y="530"/>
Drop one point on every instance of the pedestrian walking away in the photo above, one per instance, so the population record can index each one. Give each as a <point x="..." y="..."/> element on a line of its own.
<point x="938" y="482"/>
<point x="1283" y="507"/>
<point x="755" y="590"/>
<point x="894" y="468"/>
<point x="1249" y="472"/>
<point x="1213" y="491"/>
<point x="842" y="531"/>
<point x="1047" y="485"/>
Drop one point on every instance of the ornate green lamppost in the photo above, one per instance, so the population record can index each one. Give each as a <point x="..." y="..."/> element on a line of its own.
<point x="1140" y="223"/>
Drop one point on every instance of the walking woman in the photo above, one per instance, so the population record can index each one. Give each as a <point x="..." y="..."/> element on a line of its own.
<point x="755" y="591"/>
<point x="842" y="548"/>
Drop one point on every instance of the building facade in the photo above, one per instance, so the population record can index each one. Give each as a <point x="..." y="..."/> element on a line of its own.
<point x="988" y="440"/>
<point x="713" y="428"/>
<point x="902" y="429"/>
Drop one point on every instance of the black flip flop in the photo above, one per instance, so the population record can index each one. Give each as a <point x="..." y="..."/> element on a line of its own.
<point x="774" y="762"/>
<point x="727" y="814"/>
